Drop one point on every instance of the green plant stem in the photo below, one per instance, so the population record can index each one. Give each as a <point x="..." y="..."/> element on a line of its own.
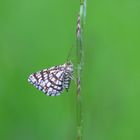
<point x="80" y="52"/>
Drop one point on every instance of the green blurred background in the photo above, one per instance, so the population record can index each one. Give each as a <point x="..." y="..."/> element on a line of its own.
<point x="38" y="34"/>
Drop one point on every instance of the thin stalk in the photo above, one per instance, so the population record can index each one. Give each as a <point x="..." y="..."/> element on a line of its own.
<point x="80" y="61"/>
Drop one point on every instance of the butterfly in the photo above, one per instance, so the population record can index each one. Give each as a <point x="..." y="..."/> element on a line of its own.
<point x="54" y="80"/>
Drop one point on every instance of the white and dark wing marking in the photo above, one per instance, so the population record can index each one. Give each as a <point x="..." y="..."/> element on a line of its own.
<point x="54" y="80"/>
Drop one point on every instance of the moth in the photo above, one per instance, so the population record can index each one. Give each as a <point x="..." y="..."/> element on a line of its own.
<point x="54" y="80"/>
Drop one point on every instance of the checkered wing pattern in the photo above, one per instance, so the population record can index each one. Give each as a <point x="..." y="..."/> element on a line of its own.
<point x="54" y="80"/>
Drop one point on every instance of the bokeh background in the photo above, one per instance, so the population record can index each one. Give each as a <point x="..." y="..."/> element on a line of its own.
<point x="38" y="34"/>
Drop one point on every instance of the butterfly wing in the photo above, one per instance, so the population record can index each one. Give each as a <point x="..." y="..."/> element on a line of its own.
<point x="50" y="81"/>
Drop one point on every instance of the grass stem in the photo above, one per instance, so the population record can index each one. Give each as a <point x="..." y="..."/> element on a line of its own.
<point x="80" y="62"/>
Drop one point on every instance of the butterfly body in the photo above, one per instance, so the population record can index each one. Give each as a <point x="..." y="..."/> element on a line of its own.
<point x="54" y="80"/>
